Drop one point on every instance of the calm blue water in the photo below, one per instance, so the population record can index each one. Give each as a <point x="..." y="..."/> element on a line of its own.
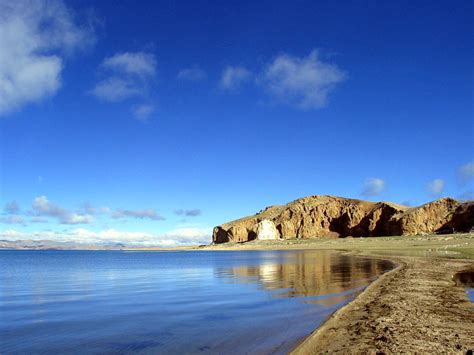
<point x="470" y="293"/>
<point x="171" y="302"/>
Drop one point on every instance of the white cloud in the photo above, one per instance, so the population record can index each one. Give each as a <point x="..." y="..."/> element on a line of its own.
<point x="74" y="218"/>
<point x="435" y="187"/>
<point x="192" y="74"/>
<point x="176" y="237"/>
<point x="373" y="187"/>
<point x="301" y="82"/>
<point x="128" y="75"/>
<point x="147" y="213"/>
<point x="466" y="172"/>
<point x="35" y="36"/>
<point x="42" y="207"/>
<point x="137" y="63"/>
<point x="116" y="89"/>
<point x="88" y="208"/>
<point x="143" y="112"/>
<point x="233" y="77"/>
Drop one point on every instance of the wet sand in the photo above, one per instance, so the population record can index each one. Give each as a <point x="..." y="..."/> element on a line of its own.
<point x="415" y="308"/>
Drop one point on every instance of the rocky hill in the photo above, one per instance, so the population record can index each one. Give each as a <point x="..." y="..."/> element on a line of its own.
<point x="335" y="217"/>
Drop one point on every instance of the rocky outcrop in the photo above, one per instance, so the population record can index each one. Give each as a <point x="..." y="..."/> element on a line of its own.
<point x="428" y="218"/>
<point x="462" y="218"/>
<point x="335" y="217"/>
<point x="266" y="230"/>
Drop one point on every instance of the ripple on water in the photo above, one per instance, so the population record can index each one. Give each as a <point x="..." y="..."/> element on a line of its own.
<point x="172" y="302"/>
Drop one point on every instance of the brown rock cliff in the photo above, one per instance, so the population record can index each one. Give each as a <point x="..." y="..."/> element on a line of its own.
<point x="335" y="217"/>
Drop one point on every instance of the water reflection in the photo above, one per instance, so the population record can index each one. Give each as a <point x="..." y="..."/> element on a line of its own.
<point x="172" y="302"/>
<point x="466" y="279"/>
<point x="313" y="274"/>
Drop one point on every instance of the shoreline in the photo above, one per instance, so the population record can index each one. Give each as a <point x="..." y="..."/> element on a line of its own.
<point x="307" y="343"/>
<point x="414" y="308"/>
<point x="398" y="314"/>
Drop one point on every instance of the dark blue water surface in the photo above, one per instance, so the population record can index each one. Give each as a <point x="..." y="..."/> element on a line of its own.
<point x="171" y="302"/>
<point x="470" y="293"/>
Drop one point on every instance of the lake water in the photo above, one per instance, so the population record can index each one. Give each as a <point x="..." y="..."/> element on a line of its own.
<point x="172" y="302"/>
<point x="470" y="294"/>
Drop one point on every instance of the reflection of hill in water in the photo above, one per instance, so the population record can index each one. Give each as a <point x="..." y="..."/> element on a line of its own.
<point x="311" y="274"/>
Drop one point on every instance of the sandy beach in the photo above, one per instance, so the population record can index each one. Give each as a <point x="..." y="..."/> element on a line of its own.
<point x="416" y="308"/>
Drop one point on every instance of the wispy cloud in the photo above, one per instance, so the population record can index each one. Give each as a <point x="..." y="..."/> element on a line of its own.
<point x="88" y="208"/>
<point x="12" y="219"/>
<point x="128" y="74"/>
<point x="233" y="77"/>
<point x="143" y="112"/>
<point x="42" y="207"/>
<point x="467" y="195"/>
<point x="435" y="187"/>
<point x="373" y="187"/>
<point x="116" y="89"/>
<point x="175" y="237"/>
<point x="304" y="82"/>
<point x="35" y="38"/>
<point x="188" y="213"/>
<point x="192" y="74"/>
<point x="38" y="220"/>
<point x="12" y="207"/>
<point x="466" y="172"/>
<point x="147" y="213"/>
<point x="138" y="63"/>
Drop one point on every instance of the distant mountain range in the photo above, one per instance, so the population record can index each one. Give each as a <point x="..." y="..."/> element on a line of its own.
<point x="53" y="245"/>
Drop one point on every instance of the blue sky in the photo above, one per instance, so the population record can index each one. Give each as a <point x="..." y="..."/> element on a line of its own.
<point x="152" y="122"/>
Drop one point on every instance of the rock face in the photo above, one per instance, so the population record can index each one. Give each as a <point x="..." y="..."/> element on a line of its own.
<point x="335" y="217"/>
<point x="266" y="230"/>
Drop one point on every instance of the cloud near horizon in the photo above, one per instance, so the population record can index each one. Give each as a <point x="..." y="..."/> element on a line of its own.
<point x="35" y="39"/>
<point x="42" y="207"/>
<point x="175" y="237"/>
<point x="12" y="219"/>
<point x="147" y="213"/>
<point x="373" y="187"/>
<point x="188" y="213"/>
